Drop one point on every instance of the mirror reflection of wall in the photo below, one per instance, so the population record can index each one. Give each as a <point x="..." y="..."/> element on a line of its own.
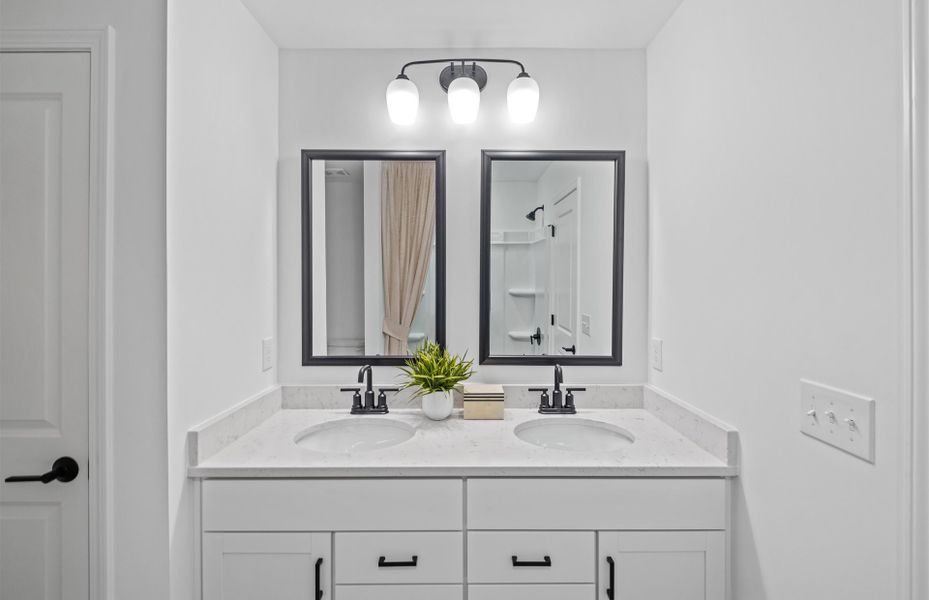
<point x="373" y="256"/>
<point x="551" y="258"/>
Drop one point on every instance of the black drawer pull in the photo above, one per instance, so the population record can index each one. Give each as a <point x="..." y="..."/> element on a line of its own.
<point x="382" y="562"/>
<point x="319" y="589"/>
<point x="545" y="562"/>
<point x="611" y="591"/>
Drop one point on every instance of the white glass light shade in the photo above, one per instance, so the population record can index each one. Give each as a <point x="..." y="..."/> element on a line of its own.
<point x="464" y="100"/>
<point x="522" y="99"/>
<point x="402" y="101"/>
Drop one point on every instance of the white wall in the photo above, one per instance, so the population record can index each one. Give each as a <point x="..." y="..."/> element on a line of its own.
<point x="775" y="166"/>
<point x="335" y="99"/>
<point x="373" y="271"/>
<point x="138" y="548"/>
<point x="345" y="286"/>
<point x="222" y="177"/>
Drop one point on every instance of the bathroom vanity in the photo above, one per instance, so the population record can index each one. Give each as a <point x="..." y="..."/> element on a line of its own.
<point x="522" y="508"/>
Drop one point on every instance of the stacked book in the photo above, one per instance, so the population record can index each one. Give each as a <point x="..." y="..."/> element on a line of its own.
<point x="482" y="400"/>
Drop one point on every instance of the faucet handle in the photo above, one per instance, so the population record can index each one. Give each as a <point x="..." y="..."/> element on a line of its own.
<point x="543" y="399"/>
<point x="569" y="396"/>
<point x="382" y="396"/>
<point x="356" y="396"/>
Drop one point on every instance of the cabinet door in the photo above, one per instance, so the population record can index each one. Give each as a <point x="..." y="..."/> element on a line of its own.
<point x="662" y="565"/>
<point x="250" y="566"/>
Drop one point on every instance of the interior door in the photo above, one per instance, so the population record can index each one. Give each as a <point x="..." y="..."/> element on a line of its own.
<point x="44" y="306"/>
<point x="282" y="566"/>
<point x="565" y="271"/>
<point x="662" y="565"/>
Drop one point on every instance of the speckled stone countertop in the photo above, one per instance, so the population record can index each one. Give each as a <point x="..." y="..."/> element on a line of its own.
<point x="669" y="441"/>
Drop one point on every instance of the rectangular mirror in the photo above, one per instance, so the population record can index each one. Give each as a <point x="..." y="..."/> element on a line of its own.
<point x="551" y="257"/>
<point x="373" y="254"/>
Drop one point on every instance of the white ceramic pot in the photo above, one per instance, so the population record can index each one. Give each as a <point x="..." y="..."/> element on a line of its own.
<point x="437" y="405"/>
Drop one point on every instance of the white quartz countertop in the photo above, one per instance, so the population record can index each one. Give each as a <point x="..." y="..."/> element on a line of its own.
<point x="463" y="448"/>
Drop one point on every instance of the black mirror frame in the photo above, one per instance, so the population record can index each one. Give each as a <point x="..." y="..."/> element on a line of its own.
<point x="619" y="160"/>
<point x="306" y="159"/>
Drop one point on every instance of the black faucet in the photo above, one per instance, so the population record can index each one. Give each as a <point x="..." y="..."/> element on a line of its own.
<point x="556" y="393"/>
<point x="365" y="375"/>
<point x="556" y="407"/>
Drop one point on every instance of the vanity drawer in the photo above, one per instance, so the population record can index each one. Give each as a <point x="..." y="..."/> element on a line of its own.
<point x="597" y="504"/>
<point x="541" y="557"/>
<point x="332" y="504"/>
<point x="401" y="592"/>
<point x="530" y="592"/>
<point x="389" y="557"/>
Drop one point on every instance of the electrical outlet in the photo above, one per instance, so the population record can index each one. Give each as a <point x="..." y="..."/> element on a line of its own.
<point x="585" y="324"/>
<point x="838" y="418"/>
<point x="267" y="354"/>
<point x="656" y="355"/>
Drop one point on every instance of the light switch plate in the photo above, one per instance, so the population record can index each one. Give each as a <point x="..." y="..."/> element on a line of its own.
<point x="656" y="356"/>
<point x="839" y="418"/>
<point x="585" y="324"/>
<point x="267" y="354"/>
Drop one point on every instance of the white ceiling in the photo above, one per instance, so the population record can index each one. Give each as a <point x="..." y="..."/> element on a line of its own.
<point x="463" y="24"/>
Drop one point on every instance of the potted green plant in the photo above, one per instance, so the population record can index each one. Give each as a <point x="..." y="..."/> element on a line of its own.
<point x="434" y="372"/>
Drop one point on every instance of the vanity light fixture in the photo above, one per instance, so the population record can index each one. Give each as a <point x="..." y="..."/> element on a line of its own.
<point x="463" y="83"/>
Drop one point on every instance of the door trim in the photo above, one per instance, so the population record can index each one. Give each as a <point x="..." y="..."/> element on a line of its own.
<point x="99" y="43"/>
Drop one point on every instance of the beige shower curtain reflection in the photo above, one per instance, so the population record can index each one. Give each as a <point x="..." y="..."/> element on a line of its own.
<point x="407" y="229"/>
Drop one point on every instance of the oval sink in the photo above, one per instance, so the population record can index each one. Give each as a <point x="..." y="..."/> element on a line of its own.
<point x="354" y="435"/>
<point x="579" y="435"/>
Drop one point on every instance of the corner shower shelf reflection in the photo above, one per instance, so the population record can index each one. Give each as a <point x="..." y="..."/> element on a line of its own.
<point x="516" y="238"/>
<point x="525" y="292"/>
<point x="520" y="336"/>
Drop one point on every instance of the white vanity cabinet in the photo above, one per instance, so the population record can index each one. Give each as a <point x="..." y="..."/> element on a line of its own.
<point x="262" y="538"/>
<point x="499" y="538"/>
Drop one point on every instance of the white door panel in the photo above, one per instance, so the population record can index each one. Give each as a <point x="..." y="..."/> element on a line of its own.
<point x="44" y="307"/>
<point x="565" y="275"/>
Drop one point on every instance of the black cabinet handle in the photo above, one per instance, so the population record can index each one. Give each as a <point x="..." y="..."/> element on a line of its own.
<point x="610" y="591"/>
<point x="64" y="469"/>
<point x="545" y="562"/>
<point x="319" y="589"/>
<point x="572" y="348"/>
<point x="382" y="562"/>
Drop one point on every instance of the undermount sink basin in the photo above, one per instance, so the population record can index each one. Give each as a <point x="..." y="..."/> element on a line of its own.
<point x="354" y="435"/>
<point x="579" y="435"/>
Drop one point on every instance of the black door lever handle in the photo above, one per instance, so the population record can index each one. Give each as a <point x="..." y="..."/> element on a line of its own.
<point x="64" y="469"/>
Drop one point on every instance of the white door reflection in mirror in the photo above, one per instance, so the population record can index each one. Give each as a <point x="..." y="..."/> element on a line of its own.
<point x="564" y="280"/>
